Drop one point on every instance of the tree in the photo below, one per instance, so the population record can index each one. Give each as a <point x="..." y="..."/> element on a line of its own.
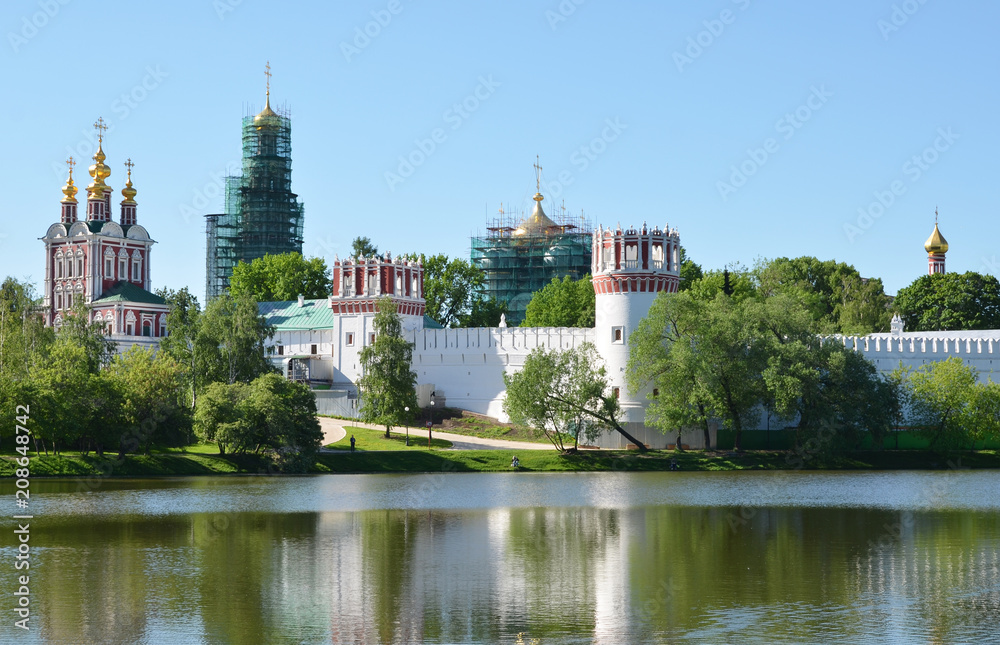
<point x="281" y="277"/>
<point x="950" y="301"/>
<point x="362" y="247"/>
<point x="690" y="271"/>
<point x="562" y="303"/>
<point x="451" y="289"/>
<point x="149" y="387"/>
<point x="728" y="356"/>
<point x="741" y="284"/>
<point x="387" y="385"/>
<point x="943" y="401"/>
<point x="219" y="418"/>
<point x="229" y="345"/>
<point x="837" y="297"/>
<point x="90" y="336"/>
<point x="485" y="312"/>
<point x="183" y="325"/>
<point x="283" y="415"/>
<point x="564" y="392"/>
<point x="23" y="337"/>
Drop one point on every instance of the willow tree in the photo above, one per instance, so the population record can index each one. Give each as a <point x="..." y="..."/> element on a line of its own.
<point x="387" y="384"/>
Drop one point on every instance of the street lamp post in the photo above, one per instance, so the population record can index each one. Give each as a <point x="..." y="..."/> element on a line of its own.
<point x="430" y="422"/>
<point x="407" y="409"/>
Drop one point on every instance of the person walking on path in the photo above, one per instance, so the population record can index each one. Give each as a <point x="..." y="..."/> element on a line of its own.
<point x="352" y="443"/>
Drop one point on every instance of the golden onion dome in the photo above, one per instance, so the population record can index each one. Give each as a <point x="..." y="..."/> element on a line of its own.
<point x="538" y="223"/>
<point x="129" y="191"/>
<point x="69" y="190"/>
<point x="267" y="116"/>
<point x="936" y="242"/>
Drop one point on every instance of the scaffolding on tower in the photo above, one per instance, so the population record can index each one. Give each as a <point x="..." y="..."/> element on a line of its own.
<point x="521" y="253"/>
<point x="262" y="215"/>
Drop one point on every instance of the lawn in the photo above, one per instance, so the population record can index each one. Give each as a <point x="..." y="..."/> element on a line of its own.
<point x="367" y="440"/>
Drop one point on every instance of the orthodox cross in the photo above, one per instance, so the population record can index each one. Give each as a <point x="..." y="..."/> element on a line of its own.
<point x="538" y="176"/>
<point x="100" y="127"/>
<point x="129" y="165"/>
<point x="267" y="73"/>
<point x="70" y="163"/>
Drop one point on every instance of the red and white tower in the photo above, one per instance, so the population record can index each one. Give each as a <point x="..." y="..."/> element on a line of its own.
<point x="102" y="263"/>
<point x="358" y="284"/>
<point x="630" y="267"/>
<point x="936" y="246"/>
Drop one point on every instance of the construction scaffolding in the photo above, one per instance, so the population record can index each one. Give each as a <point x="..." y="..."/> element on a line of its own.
<point x="520" y="254"/>
<point x="262" y="214"/>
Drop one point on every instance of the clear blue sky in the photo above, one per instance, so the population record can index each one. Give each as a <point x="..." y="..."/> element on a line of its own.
<point x="871" y="90"/>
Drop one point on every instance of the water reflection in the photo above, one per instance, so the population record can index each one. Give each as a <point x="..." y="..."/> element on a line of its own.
<point x="561" y="574"/>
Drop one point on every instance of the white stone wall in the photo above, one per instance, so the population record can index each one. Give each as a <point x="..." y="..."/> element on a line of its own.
<point x="466" y="366"/>
<point x="978" y="349"/>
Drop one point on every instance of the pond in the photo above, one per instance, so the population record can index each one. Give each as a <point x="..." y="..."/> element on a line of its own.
<point x="752" y="557"/>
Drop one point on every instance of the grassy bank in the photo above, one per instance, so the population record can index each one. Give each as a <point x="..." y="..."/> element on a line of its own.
<point x="416" y="461"/>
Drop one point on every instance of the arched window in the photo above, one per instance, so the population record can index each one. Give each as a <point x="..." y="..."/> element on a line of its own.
<point x="98" y="317"/>
<point x="79" y="264"/>
<point x="122" y="265"/>
<point x="69" y="300"/>
<point x="109" y="264"/>
<point x="163" y="325"/>
<point x="59" y="264"/>
<point x="136" y="266"/>
<point x="57" y="323"/>
<point x="109" y="320"/>
<point x="58" y="298"/>
<point x="130" y="324"/>
<point x="147" y="328"/>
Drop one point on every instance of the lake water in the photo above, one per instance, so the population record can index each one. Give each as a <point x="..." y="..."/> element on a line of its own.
<point x="756" y="557"/>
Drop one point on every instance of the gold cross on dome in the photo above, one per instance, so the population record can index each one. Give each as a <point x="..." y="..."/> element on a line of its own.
<point x="129" y="165"/>
<point x="267" y="73"/>
<point x="70" y="162"/>
<point x="538" y="176"/>
<point x="101" y="128"/>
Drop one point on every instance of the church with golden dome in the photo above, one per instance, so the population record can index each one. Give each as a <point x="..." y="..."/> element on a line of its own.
<point x="102" y="263"/>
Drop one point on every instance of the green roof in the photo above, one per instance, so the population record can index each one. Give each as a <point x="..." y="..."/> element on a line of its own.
<point x="289" y="316"/>
<point x="122" y="291"/>
<point x="313" y="314"/>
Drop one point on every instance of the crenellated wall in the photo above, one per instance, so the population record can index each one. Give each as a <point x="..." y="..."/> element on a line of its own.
<point x="978" y="349"/>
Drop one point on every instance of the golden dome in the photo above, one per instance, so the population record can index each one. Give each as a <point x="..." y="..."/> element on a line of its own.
<point x="99" y="171"/>
<point x="69" y="190"/>
<point x="129" y="192"/>
<point x="267" y="115"/>
<point x="538" y="223"/>
<point x="936" y="242"/>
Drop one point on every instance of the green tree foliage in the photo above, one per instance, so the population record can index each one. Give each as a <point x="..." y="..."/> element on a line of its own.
<point x="183" y="325"/>
<point x="485" y="312"/>
<point x="387" y="385"/>
<point x="839" y="300"/>
<point x="23" y="337"/>
<point x="219" y="417"/>
<point x="453" y="290"/>
<point x="149" y="388"/>
<point x="80" y="331"/>
<point x="949" y="406"/>
<point x="362" y="247"/>
<point x="727" y="357"/>
<point x="950" y="301"/>
<point x="690" y="271"/>
<point x="271" y="416"/>
<point x="564" y="391"/>
<point x="229" y="345"/>
<point x="562" y="303"/>
<point x="281" y="277"/>
<point x="742" y="284"/>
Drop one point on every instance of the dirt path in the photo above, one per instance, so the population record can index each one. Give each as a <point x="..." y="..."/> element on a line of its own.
<point x="333" y="430"/>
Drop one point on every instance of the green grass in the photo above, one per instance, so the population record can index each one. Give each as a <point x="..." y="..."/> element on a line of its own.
<point x="368" y="440"/>
<point x="417" y="460"/>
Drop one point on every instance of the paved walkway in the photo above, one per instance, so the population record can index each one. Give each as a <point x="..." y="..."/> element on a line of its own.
<point x="333" y="430"/>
